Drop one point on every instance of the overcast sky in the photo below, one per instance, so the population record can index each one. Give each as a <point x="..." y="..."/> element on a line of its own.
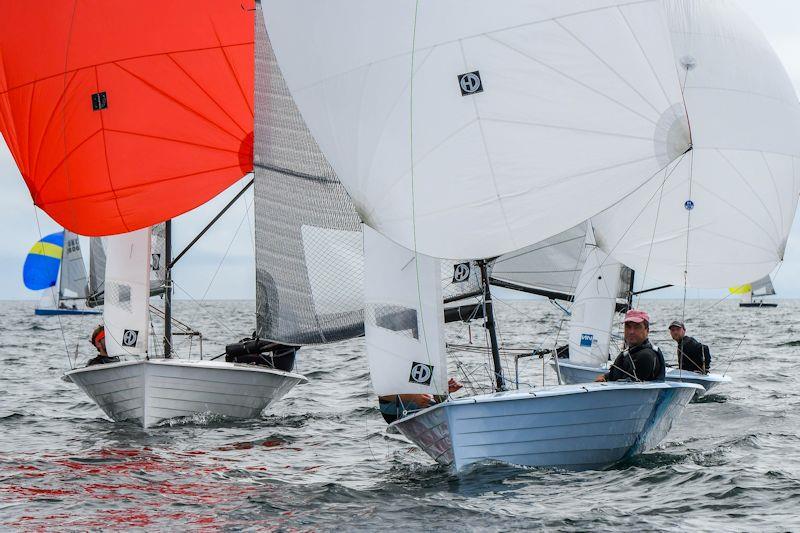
<point x="221" y="264"/>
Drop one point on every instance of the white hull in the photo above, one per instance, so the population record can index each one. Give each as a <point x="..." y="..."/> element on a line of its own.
<point x="572" y="427"/>
<point x="151" y="391"/>
<point x="572" y="373"/>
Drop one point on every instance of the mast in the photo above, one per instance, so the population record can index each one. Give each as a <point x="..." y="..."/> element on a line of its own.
<point x="489" y="314"/>
<point x="630" y="290"/>
<point x="168" y="289"/>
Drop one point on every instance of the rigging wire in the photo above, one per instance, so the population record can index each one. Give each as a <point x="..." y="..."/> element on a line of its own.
<point x="60" y="322"/>
<point x="225" y="255"/>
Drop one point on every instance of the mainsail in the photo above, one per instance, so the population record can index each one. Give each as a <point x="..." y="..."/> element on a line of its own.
<point x="722" y="212"/>
<point x="548" y="268"/>
<point x="763" y="287"/>
<point x="121" y="115"/>
<point x="309" y="260"/>
<point x="474" y="135"/>
<point x="73" y="283"/>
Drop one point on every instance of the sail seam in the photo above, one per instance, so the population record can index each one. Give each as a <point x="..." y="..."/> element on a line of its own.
<point x="572" y="79"/>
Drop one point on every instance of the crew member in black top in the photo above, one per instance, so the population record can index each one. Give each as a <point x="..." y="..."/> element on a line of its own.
<point x="640" y="361"/>
<point x="692" y="354"/>
<point x="98" y="340"/>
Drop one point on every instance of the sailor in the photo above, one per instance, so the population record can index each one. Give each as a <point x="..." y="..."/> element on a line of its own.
<point x="98" y="340"/>
<point x="640" y="361"/>
<point x="399" y="405"/>
<point x="692" y="354"/>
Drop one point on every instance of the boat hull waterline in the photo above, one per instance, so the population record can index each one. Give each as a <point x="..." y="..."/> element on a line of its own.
<point x="572" y="373"/>
<point x="150" y="391"/>
<point x="572" y="427"/>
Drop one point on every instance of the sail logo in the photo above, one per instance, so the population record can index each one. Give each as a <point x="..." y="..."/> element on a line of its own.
<point x="586" y="340"/>
<point x="470" y="83"/>
<point x="421" y="373"/>
<point x="461" y="272"/>
<point x="155" y="262"/>
<point x="130" y="337"/>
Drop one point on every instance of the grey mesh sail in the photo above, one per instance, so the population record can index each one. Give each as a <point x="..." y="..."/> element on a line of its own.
<point x="309" y="259"/>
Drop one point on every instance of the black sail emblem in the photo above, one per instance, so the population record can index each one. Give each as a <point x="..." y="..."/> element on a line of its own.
<point x="421" y="374"/>
<point x="130" y="337"/>
<point x="470" y="83"/>
<point x="461" y="272"/>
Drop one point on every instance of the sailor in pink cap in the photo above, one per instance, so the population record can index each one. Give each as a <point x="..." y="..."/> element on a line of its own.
<point x="639" y="361"/>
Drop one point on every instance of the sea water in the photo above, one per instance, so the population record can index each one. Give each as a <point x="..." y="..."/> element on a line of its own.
<point x="320" y="459"/>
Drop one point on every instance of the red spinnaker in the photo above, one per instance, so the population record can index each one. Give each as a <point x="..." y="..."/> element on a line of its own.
<point x="122" y="114"/>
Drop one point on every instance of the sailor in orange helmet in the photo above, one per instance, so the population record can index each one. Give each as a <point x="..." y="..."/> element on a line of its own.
<point x="98" y="340"/>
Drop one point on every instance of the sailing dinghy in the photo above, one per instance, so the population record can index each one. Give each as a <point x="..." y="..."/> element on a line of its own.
<point x="604" y="288"/>
<point x="449" y="149"/>
<point x="753" y="293"/>
<point x="147" y="389"/>
<point x="55" y="267"/>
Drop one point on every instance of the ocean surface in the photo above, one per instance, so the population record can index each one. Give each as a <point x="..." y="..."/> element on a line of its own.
<point x="320" y="459"/>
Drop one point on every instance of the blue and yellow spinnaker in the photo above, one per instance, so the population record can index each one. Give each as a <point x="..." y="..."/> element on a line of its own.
<point x="41" y="266"/>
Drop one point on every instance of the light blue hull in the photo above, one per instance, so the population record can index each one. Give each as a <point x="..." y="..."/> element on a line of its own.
<point x="572" y="427"/>
<point x="572" y="373"/>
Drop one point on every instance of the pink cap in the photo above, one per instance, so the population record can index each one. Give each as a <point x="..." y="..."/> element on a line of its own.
<point x="637" y="316"/>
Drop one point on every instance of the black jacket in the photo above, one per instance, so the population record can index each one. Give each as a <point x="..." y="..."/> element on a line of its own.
<point x="640" y="363"/>
<point x="693" y="355"/>
<point x="102" y="360"/>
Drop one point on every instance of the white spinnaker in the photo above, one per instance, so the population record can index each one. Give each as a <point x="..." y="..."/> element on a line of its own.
<point x="594" y="307"/>
<point x="126" y="312"/>
<point x="725" y="210"/>
<point x="72" y="280"/>
<point x="404" y="320"/>
<point x="581" y="104"/>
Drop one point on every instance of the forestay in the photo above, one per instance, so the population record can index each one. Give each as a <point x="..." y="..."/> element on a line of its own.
<point x="309" y="264"/>
<point x="404" y="319"/>
<point x="599" y="286"/>
<point x="479" y="134"/>
<point x="127" y="290"/>
<point x="719" y="216"/>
